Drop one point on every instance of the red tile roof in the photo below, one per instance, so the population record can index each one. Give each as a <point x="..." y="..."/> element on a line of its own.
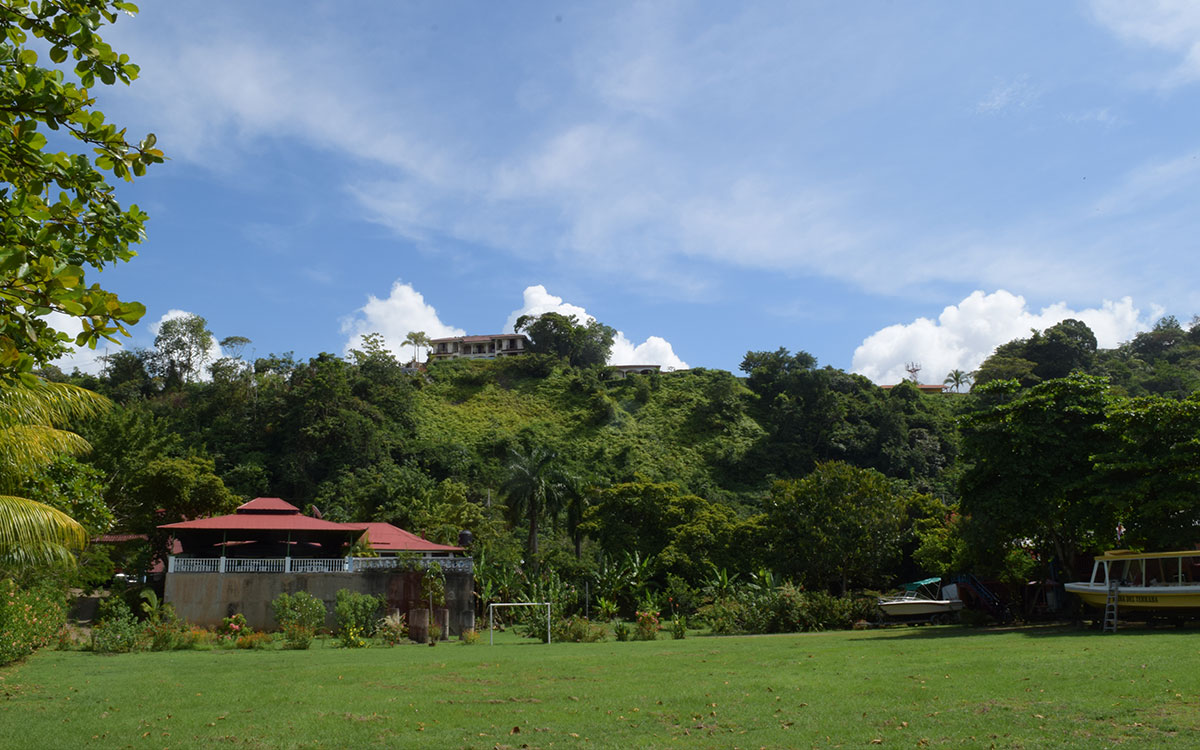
<point x="273" y="514"/>
<point x="385" y="537"/>
<point x="259" y="522"/>
<point x="267" y="505"/>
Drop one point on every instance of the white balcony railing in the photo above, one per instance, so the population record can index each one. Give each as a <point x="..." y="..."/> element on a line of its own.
<point x="311" y="565"/>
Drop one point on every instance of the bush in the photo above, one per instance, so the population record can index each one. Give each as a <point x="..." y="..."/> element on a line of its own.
<point x="725" y="616"/>
<point x="647" y="625"/>
<point x="297" y="637"/>
<point x="300" y="608"/>
<point x="393" y="629"/>
<point x="254" y="640"/>
<point x="578" y="629"/>
<point x="233" y="627"/>
<point x="621" y="631"/>
<point x="29" y="620"/>
<point x="358" y="612"/>
<point x="470" y="637"/>
<point x="679" y="627"/>
<point x="118" y="631"/>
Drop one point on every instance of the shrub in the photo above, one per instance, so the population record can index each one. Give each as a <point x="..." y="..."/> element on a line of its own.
<point x="300" y="608"/>
<point x="352" y="637"/>
<point x="606" y="609"/>
<point x="470" y="637"/>
<point x="647" y="625"/>
<point x="357" y="611"/>
<point x="254" y="640"/>
<point x="118" y="631"/>
<point x="29" y="620"/>
<point x="297" y="637"/>
<point x="679" y="627"/>
<point x="724" y="616"/>
<point x="393" y="629"/>
<point x="197" y="637"/>
<point x="578" y="629"/>
<point x="621" y="631"/>
<point x="233" y="627"/>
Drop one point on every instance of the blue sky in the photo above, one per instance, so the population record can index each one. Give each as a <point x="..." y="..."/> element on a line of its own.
<point x="874" y="183"/>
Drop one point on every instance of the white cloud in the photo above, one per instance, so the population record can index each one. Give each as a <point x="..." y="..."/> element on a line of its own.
<point x="1009" y="95"/>
<point x="394" y="317"/>
<point x="655" y="350"/>
<point x="537" y="301"/>
<point x="965" y="334"/>
<point x="1170" y="25"/>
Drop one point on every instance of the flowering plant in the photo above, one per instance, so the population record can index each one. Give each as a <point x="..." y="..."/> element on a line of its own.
<point x="233" y="627"/>
<point x="647" y="625"/>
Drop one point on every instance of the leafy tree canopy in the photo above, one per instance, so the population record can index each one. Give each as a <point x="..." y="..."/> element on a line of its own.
<point x="581" y="344"/>
<point x="58" y="214"/>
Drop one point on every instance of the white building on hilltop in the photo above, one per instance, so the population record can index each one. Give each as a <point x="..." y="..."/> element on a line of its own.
<point x="479" y="347"/>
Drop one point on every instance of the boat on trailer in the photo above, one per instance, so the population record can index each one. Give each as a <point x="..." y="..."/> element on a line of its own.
<point x="1164" y="583"/>
<point x="926" y="600"/>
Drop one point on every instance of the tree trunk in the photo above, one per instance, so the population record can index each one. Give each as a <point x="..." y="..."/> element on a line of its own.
<point x="532" y="545"/>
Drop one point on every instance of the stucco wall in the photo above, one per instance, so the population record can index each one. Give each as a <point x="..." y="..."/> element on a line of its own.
<point x="206" y="598"/>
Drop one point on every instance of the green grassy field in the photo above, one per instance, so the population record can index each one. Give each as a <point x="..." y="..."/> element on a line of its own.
<point x="903" y="687"/>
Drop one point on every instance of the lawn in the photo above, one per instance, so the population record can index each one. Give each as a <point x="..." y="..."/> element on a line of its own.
<point x="903" y="687"/>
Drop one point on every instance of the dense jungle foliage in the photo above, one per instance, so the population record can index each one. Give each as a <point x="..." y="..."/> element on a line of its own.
<point x="676" y="479"/>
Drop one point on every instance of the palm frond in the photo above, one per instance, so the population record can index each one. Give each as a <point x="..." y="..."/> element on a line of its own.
<point x="32" y="418"/>
<point x="32" y="533"/>
<point x="49" y="404"/>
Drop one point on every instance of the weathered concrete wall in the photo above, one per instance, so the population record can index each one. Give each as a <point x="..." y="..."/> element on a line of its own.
<point x="206" y="598"/>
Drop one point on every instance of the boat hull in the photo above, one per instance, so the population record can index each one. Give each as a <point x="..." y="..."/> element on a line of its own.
<point x="1140" y="598"/>
<point x="920" y="607"/>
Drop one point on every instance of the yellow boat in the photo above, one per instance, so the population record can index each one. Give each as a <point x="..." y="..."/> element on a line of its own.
<point x="1164" y="582"/>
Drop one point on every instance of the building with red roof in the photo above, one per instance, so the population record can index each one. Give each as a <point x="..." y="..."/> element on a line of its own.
<point x="241" y="561"/>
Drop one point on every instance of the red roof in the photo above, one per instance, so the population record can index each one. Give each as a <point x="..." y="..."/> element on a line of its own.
<point x="273" y="514"/>
<point x="385" y="537"/>
<point x="259" y="522"/>
<point x="260" y="514"/>
<point x="267" y="505"/>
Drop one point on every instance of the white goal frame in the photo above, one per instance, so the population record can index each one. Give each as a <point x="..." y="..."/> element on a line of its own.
<point x="492" y="617"/>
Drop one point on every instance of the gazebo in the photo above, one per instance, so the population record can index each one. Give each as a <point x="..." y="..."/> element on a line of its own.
<point x="241" y="561"/>
<point x="267" y="530"/>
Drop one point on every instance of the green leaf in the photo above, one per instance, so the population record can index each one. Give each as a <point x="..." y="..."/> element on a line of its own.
<point x="58" y="54"/>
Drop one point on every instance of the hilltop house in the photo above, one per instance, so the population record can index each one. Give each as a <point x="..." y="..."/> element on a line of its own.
<point x="479" y="347"/>
<point x="240" y="562"/>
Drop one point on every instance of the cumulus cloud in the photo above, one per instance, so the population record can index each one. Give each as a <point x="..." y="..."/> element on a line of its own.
<point x="394" y="317"/>
<point x="965" y="334"/>
<point x="655" y="350"/>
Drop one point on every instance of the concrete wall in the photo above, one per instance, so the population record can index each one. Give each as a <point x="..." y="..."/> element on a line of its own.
<point x="206" y="598"/>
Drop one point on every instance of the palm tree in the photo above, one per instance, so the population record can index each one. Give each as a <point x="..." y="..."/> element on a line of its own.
<point x="957" y="379"/>
<point x="536" y="487"/>
<point x="32" y="415"/>
<point x="418" y="340"/>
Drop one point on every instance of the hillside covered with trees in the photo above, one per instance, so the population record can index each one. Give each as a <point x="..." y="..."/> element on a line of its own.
<point x="787" y="469"/>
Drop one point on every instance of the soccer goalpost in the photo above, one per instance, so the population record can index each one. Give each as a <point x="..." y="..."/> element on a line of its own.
<point x="492" y="617"/>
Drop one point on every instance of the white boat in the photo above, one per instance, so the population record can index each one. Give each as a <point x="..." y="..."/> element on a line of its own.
<point x="923" y="601"/>
<point x="1146" y="582"/>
